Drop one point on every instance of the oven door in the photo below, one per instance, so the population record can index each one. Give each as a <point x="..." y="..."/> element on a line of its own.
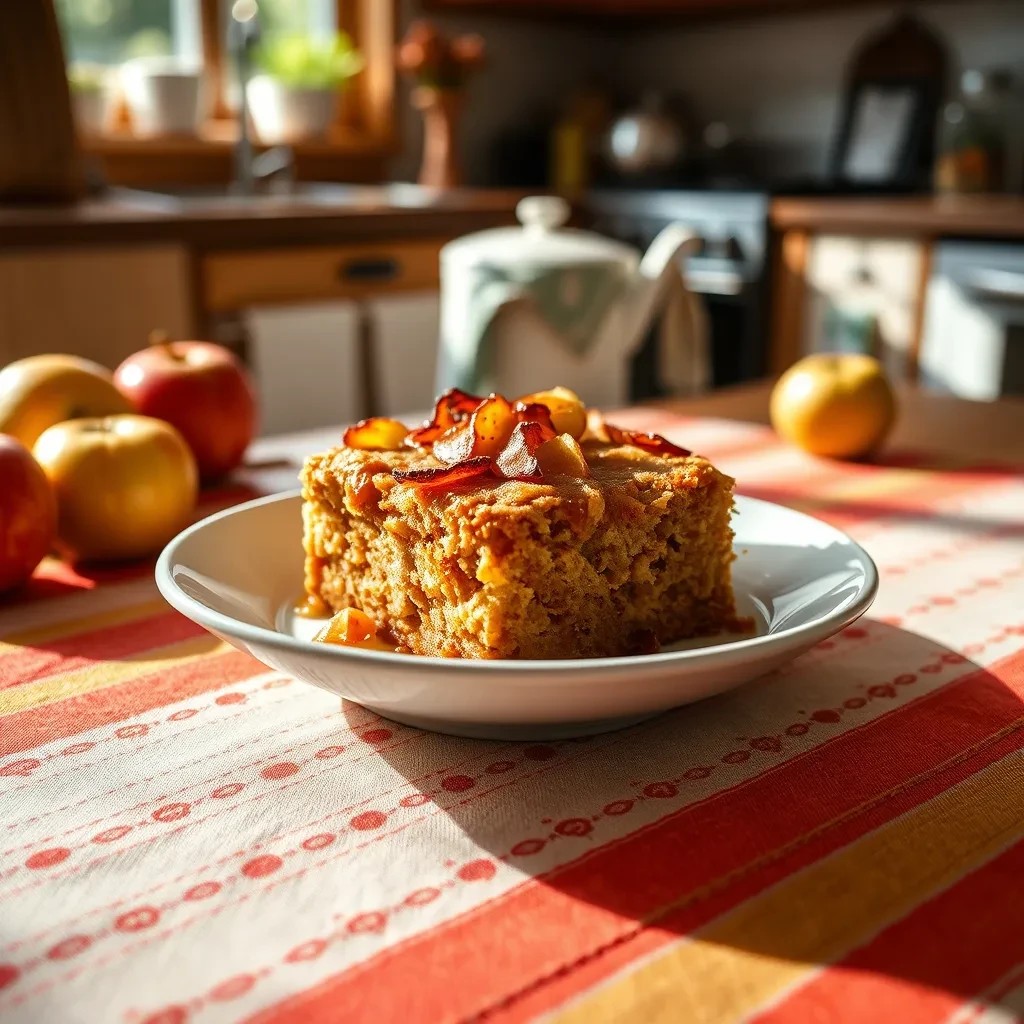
<point x="973" y="343"/>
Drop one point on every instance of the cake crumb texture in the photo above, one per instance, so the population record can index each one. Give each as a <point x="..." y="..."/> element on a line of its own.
<point x="564" y="568"/>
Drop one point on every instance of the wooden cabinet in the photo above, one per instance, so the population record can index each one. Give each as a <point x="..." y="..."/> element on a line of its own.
<point x="856" y="292"/>
<point x="97" y="302"/>
<point x="333" y="333"/>
<point x="235" y="280"/>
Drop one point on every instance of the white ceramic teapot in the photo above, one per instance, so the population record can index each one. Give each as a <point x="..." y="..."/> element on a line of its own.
<point x="523" y="309"/>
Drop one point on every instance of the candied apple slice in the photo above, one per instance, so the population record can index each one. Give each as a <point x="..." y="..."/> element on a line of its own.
<point x="518" y="459"/>
<point x="486" y="433"/>
<point x="535" y="412"/>
<point x="446" y="477"/>
<point x="455" y="445"/>
<point x="655" y="444"/>
<point x="492" y="425"/>
<point x="352" y="628"/>
<point x="568" y="413"/>
<point x="377" y="434"/>
<point x="562" y="454"/>
<point x="453" y="407"/>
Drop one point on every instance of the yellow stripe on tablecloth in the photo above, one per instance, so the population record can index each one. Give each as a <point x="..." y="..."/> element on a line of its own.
<point x="84" y="624"/>
<point x="110" y="673"/>
<point x="766" y="946"/>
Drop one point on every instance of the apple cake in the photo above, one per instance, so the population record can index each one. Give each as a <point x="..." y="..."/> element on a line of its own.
<point x="515" y="530"/>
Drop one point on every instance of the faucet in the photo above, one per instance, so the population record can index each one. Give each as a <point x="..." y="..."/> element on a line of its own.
<point x="279" y="162"/>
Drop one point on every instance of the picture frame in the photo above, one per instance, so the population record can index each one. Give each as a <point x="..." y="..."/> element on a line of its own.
<point x="883" y="142"/>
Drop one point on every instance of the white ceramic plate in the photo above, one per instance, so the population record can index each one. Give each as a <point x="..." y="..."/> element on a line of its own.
<point x="238" y="573"/>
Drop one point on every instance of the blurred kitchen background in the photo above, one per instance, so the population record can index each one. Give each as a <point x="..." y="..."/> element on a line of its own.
<point x="833" y="176"/>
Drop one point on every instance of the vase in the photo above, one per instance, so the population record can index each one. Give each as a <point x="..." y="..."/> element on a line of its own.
<point x="441" y="109"/>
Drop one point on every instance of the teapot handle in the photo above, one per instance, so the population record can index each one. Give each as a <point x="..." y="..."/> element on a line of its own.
<point x="670" y="244"/>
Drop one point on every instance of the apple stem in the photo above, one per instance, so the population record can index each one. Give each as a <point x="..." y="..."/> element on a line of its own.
<point x="161" y="339"/>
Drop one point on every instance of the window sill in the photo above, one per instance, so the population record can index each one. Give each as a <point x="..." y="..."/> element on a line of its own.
<point x="125" y="159"/>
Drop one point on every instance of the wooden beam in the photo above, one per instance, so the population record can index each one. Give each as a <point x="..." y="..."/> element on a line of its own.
<point x="214" y="57"/>
<point x="924" y="275"/>
<point x="789" y="288"/>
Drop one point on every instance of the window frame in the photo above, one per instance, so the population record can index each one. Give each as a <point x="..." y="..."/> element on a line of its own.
<point x="364" y="132"/>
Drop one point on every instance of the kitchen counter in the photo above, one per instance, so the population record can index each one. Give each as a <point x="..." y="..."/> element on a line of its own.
<point x="328" y="213"/>
<point x="325" y="213"/>
<point x="927" y="216"/>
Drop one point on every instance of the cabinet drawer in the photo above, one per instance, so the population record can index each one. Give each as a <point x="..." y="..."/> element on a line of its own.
<point x="235" y="280"/>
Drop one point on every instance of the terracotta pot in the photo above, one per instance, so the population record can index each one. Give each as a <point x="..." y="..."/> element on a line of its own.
<point x="442" y="109"/>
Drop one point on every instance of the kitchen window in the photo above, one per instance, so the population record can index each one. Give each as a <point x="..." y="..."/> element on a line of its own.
<point x="103" y="38"/>
<point x="107" y="32"/>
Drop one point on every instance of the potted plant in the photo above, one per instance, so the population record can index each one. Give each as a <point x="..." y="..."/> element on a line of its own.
<point x="164" y="95"/>
<point x="88" y="85"/>
<point x="296" y="95"/>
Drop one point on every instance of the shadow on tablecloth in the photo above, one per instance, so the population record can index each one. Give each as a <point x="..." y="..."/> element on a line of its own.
<point x="872" y="830"/>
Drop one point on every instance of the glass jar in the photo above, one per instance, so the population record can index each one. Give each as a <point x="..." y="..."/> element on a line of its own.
<point x="973" y="130"/>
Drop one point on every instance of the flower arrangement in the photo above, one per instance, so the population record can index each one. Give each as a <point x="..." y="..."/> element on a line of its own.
<point x="434" y="61"/>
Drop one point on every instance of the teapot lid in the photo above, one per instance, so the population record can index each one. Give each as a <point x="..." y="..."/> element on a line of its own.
<point x="542" y="239"/>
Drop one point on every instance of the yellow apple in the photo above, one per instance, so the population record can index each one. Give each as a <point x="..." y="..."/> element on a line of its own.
<point x="568" y="413"/>
<point x="125" y="485"/>
<point x="39" y="391"/>
<point x="839" y="405"/>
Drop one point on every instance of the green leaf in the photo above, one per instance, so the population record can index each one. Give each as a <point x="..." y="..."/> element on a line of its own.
<point x="306" y="63"/>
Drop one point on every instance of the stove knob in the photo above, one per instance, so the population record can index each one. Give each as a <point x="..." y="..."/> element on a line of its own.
<point x="725" y="247"/>
<point x="733" y="249"/>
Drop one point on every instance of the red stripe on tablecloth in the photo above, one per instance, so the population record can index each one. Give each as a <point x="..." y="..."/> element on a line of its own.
<point x="26" y="729"/>
<point x="478" y="960"/>
<point x="662" y="929"/>
<point x="30" y="664"/>
<point x="924" y="967"/>
<point x="912" y="499"/>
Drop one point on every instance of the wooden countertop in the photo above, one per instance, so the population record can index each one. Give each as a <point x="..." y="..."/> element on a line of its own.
<point x="928" y="422"/>
<point x="323" y="214"/>
<point x="928" y="216"/>
<point x="340" y="213"/>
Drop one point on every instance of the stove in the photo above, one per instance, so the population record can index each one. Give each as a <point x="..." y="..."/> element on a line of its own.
<point x="729" y="271"/>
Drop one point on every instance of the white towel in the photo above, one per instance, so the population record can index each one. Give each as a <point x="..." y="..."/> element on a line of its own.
<point x="684" y="342"/>
<point x="305" y="361"/>
<point x="405" y="332"/>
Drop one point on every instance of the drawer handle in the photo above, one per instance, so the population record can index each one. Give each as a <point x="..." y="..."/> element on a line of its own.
<point x="382" y="269"/>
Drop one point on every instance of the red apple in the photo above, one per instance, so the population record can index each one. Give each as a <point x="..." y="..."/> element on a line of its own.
<point x="28" y="513"/>
<point x="200" y="388"/>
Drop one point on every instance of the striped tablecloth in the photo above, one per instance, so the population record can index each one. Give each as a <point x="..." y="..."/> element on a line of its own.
<point x="186" y="836"/>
